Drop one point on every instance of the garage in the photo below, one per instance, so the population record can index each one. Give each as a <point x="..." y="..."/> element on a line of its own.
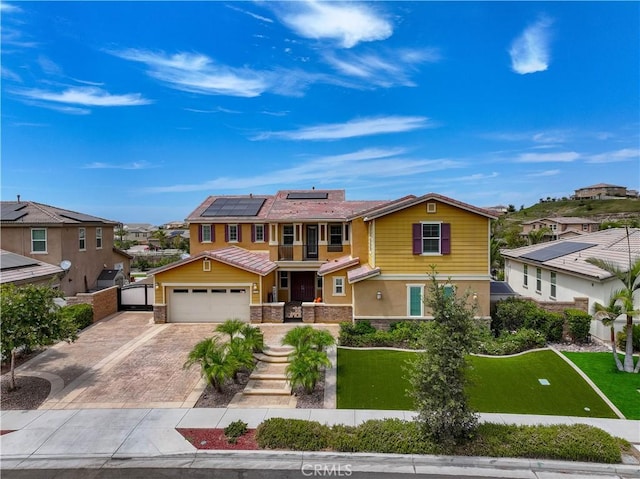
<point x="204" y="304"/>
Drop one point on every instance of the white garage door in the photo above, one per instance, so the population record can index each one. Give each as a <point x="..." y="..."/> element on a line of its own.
<point x="208" y="305"/>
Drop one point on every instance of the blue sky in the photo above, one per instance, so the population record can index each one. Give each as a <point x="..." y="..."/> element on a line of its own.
<point x="137" y="111"/>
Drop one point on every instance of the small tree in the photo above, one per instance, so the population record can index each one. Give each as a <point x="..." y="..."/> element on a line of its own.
<point x="30" y="319"/>
<point x="308" y="356"/>
<point x="438" y="374"/>
<point x="216" y="364"/>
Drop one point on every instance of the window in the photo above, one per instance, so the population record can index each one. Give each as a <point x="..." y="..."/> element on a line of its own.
<point x="39" y="240"/>
<point x="232" y="234"/>
<point x="585" y="227"/>
<point x="448" y="290"/>
<point x="338" y="286"/>
<point x="284" y="279"/>
<point x="258" y="233"/>
<point x="346" y="233"/>
<point x="335" y="235"/>
<point x="287" y="234"/>
<point x="538" y="280"/>
<point x="414" y="300"/>
<point x="205" y="233"/>
<point x="525" y="278"/>
<point x="82" y="239"/>
<point x="98" y="238"/>
<point x="553" y="284"/>
<point x="319" y="283"/>
<point x="431" y="238"/>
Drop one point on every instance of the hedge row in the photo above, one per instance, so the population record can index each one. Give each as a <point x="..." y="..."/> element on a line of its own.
<point x="576" y="442"/>
<point x="81" y="314"/>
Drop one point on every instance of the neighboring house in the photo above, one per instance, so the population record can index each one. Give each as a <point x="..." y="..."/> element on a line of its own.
<point x="54" y="235"/>
<point x="137" y="232"/>
<point x="560" y="227"/>
<point x="558" y="272"/>
<point x="601" y="191"/>
<point x="315" y="256"/>
<point x="21" y="270"/>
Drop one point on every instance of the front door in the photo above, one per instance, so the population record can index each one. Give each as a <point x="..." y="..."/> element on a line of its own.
<point x="312" y="242"/>
<point x="303" y="286"/>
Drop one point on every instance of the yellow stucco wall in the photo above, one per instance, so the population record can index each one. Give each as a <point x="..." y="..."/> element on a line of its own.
<point x="327" y="289"/>
<point x="193" y="273"/>
<point x="469" y="242"/>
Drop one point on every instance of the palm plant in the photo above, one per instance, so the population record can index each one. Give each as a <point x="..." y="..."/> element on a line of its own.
<point x="216" y="365"/>
<point x="231" y="327"/>
<point x="240" y="353"/>
<point x="253" y="337"/>
<point x="608" y="314"/>
<point x="304" y="369"/>
<point x="624" y="299"/>
<point x="303" y="337"/>
<point x="537" y="236"/>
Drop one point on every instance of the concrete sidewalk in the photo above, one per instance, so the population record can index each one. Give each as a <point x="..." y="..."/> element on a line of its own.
<point x="104" y="438"/>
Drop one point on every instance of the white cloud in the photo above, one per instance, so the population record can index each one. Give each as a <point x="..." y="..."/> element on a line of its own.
<point x="350" y="129"/>
<point x="624" y="154"/>
<point x="541" y="174"/>
<point x="386" y="69"/>
<point x="347" y="24"/>
<point x="136" y="165"/>
<point x="85" y="96"/>
<point x="530" y="51"/>
<point x="334" y="169"/>
<point x="556" y="157"/>
<point x="9" y="8"/>
<point x="10" y="75"/>
<point x="251" y="14"/>
<point x="48" y="66"/>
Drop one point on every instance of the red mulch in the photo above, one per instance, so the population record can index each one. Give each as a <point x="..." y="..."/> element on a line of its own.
<point x="5" y="431"/>
<point x="215" y="439"/>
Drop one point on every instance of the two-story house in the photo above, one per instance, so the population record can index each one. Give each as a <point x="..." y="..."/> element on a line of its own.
<point x="82" y="244"/>
<point x="315" y="256"/>
<point x="560" y="227"/>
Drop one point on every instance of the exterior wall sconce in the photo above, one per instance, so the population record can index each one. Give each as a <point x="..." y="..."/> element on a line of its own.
<point x="379" y="295"/>
<point x="255" y="288"/>
<point x="475" y="296"/>
<point x="157" y="285"/>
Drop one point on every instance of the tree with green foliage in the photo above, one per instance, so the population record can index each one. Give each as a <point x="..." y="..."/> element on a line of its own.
<point x="231" y="327"/>
<point x="438" y="376"/>
<point x="308" y="356"/>
<point x="31" y="319"/>
<point x="537" y="236"/>
<point x="216" y="364"/>
<point x="624" y="297"/>
<point x="608" y="314"/>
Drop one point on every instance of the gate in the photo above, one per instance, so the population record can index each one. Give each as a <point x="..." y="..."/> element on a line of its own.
<point x="293" y="311"/>
<point x="135" y="297"/>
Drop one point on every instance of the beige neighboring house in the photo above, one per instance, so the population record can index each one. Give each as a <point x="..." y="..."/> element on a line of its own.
<point x="138" y="232"/>
<point x="81" y="243"/>
<point x="601" y="191"/>
<point x="559" y="273"/>
<point x="21" y="270"/>
<point x="560" y="227"/>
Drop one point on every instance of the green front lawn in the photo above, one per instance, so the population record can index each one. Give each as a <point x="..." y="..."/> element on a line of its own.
<point x="377" y="379"/>
<point x="622" y="389"/>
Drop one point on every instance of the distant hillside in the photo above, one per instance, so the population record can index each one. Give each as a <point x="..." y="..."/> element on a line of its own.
<point x="597" y="210"/>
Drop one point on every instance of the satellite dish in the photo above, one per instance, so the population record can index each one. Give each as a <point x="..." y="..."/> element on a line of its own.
<point x="185" y="256"/>
<point x="65" y="264"/>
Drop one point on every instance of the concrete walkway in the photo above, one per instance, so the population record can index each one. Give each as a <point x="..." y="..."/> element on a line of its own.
<point x="103" y="438"/>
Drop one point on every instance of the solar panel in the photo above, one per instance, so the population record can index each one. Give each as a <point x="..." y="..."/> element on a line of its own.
<point x="556" y="250"/>
<point x="501" y="287"/>
<point x="12" y="211"/>
<point x="12" y="261"/>
<point x="234" y="207"/>
<point x="72" y="215"/>
<point x="308" y="195"/>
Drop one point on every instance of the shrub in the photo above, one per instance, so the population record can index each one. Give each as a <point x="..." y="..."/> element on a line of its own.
<point x="393" y="436"/>
<point x="80" y="314"/>
<point x="293" y="434"/>
<point x="554" y="327"/>
<point x="621" y="338"/>
<point x="511" y="343"/>
<point x="579" y="324"/>
<point x="513" y="313"/>
<point x="234" y="430"/>
<point x="401" y="334"/>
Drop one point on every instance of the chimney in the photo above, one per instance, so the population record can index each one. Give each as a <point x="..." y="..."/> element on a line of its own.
<point x="18" y="198"/>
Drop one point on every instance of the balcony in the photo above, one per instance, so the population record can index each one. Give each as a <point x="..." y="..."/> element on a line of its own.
<point x="304" y="252"/>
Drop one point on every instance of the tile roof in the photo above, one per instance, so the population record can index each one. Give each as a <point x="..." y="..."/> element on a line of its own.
<point x="609" y="245"/>
<point x="30" y="212"/>
<point x="15" y="268"/>
<point x="337" y="264"/>
<point x="253" y="261"/>
<point x="363" y="272"/>
<point x="412" y="200"/>
<point x="563" y="220"/>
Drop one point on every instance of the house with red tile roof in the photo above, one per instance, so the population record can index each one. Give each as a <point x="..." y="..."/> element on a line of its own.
<point x="314" y="256"/>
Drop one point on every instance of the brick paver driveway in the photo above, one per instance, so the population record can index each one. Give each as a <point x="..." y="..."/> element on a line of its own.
<point x="123" y="361"/>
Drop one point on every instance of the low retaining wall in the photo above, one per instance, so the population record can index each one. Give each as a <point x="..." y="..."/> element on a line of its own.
<point x="104" y="302"/>
<point x="311" y="313"/>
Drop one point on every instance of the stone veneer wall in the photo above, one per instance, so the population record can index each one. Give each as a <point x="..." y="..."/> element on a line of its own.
<point x="267" y="313"/>
<point x="159" y="313"/>
<point x="559" y="306"/>
<point x="324" y="313"/>
<point x="103" y="302"/>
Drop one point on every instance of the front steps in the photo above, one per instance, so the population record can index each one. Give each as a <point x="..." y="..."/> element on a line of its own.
<point x="268" y="386"/>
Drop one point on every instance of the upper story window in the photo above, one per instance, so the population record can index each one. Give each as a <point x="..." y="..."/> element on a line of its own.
<point x="346" y="233"/>
<point x="431" y="238"/>
<point x="82" y="239"/>
<point x="287" y="234"/>
<point x="525" y="278"/>
<point x="538" y="280"/>
<point x="205" y="234"/>
<point x="554" y="284"/>
<point x="585" y="227"/>
<point x="98" y="238"/>
<point x="233" y="235"/>
<point x="335" y="235"/>
<point x="39" y="240"/>
<point x="258" y="233"/>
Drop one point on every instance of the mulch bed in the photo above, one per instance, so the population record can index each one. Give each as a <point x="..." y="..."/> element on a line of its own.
<point x="215" y="439"/>
<point x="31" y="392"/>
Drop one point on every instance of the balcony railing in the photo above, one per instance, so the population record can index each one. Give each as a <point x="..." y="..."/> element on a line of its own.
<point x="310" y="252"/>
